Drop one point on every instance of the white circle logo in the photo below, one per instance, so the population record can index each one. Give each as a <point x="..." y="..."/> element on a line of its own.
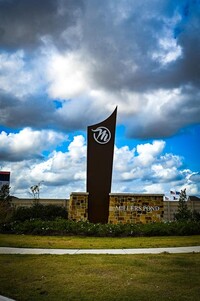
<point x="102" y="135"/>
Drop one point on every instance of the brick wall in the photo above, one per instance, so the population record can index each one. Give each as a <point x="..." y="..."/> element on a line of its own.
<point x="135" y="208"/>
<point x="78" y="206"/>
<point x="124" y="208"/>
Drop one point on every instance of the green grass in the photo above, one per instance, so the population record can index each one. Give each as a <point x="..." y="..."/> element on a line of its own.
<point x="100" y="277"/>
<point x="74" y="242"/>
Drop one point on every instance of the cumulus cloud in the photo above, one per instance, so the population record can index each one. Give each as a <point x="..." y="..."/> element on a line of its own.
<point x="27" y="144"/>
<point x="62" y="172"/>
<point x="65" y="64"/>
<point x="148" y="152"/>
<point x="172" y="110"/>
<point x="32" y="112"/>
<point x="98" y="53"/>
<point x="26" y="24"/>
<point x="195" y="177"/>
<point x="62" y="168"/>
<point x="67" y="76"/>
<point x="147" y="168"/>
<point x="17" y="76"/>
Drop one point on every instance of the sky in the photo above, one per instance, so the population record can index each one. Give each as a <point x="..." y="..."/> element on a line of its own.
<point x="66" y="64"/>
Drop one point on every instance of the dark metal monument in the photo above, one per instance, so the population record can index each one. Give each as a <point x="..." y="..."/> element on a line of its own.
<point x="98" y="204"/>
<point x="100" y="149"/>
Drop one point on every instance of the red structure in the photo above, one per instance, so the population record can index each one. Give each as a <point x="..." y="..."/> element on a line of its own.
<point x="4" y="178"/>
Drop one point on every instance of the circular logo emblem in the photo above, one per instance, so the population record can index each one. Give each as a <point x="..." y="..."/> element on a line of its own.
<point x="102" y="135"/>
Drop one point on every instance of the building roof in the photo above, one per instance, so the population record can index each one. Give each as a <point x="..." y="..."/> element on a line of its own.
<point x="193" y="198"/>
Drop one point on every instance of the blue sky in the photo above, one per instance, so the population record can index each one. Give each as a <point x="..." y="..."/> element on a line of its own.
<point x="67" y="64"/>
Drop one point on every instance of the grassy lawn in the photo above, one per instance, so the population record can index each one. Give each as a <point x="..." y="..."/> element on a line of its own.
<point x="74" y="242"/>
<point x="100" y="277"/>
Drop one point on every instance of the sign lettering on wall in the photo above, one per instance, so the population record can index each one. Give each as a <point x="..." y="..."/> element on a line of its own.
<point x="137" y="208"/>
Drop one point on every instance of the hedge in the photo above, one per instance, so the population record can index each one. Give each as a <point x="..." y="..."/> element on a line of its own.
<point x="67" y="227"/>
<point x="39" y="211"/>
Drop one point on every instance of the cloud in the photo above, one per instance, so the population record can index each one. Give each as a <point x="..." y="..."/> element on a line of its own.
<point x="77" y="148"/>
<point x="28" y="24"/>
<point x="172" y="110"/>
<point x="195" y="177"/>
<point x="65" y="171"/>
<point x="97" y="55"/>
<point x="66" y="64"/>
<point x="17" y="76"/>
<point x="153" y="188"/>
<point x="27" y="144"/>
<point x="67" y="76"/>
<point x="62" y="168"/>
<point x="32" y="111"/>
<point x="60" y="173"/>
<point x="191" y="188"/>
<point x="147" y="152"/>
<point x="146" y="164"/>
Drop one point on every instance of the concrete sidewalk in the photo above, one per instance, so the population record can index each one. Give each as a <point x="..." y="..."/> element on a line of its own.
<point x="2" y="298"/>
<point x="23" y="251"/>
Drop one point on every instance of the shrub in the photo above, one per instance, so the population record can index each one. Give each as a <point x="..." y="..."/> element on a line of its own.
<point x="195" y="215"/>
<point x="39" y="211"/>
<point x="6" y="212"/>
<point x="68" y="227"/>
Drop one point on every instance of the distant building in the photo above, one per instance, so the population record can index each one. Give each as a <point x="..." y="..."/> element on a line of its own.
<point x="171" y="207"/>
<point x="4" y="178"/>
<point x="193" y="198"/>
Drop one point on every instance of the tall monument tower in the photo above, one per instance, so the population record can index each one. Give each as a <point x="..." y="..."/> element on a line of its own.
<point x="100" y="149"/>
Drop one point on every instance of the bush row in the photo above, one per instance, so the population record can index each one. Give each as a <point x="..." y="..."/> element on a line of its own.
<point x="67" y="227"/>
<point x="39" y="211"/>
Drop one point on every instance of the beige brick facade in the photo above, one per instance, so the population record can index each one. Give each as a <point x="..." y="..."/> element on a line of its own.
<point x="78" y="206"/>
<point x="123" y="208"/>
<point x="135" y="208"/>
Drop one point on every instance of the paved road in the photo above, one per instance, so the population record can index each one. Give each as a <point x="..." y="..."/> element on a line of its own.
<point x="7" y="250"/>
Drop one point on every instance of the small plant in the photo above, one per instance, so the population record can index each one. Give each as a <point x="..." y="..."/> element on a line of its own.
<point x="35" y="189"/>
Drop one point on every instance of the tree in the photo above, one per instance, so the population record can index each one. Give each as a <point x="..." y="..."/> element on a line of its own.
<point x="35" y="189"/>
<point x="183" y="213"/>
<point x="5" y="193"/>
<point x="5" y="204"/>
